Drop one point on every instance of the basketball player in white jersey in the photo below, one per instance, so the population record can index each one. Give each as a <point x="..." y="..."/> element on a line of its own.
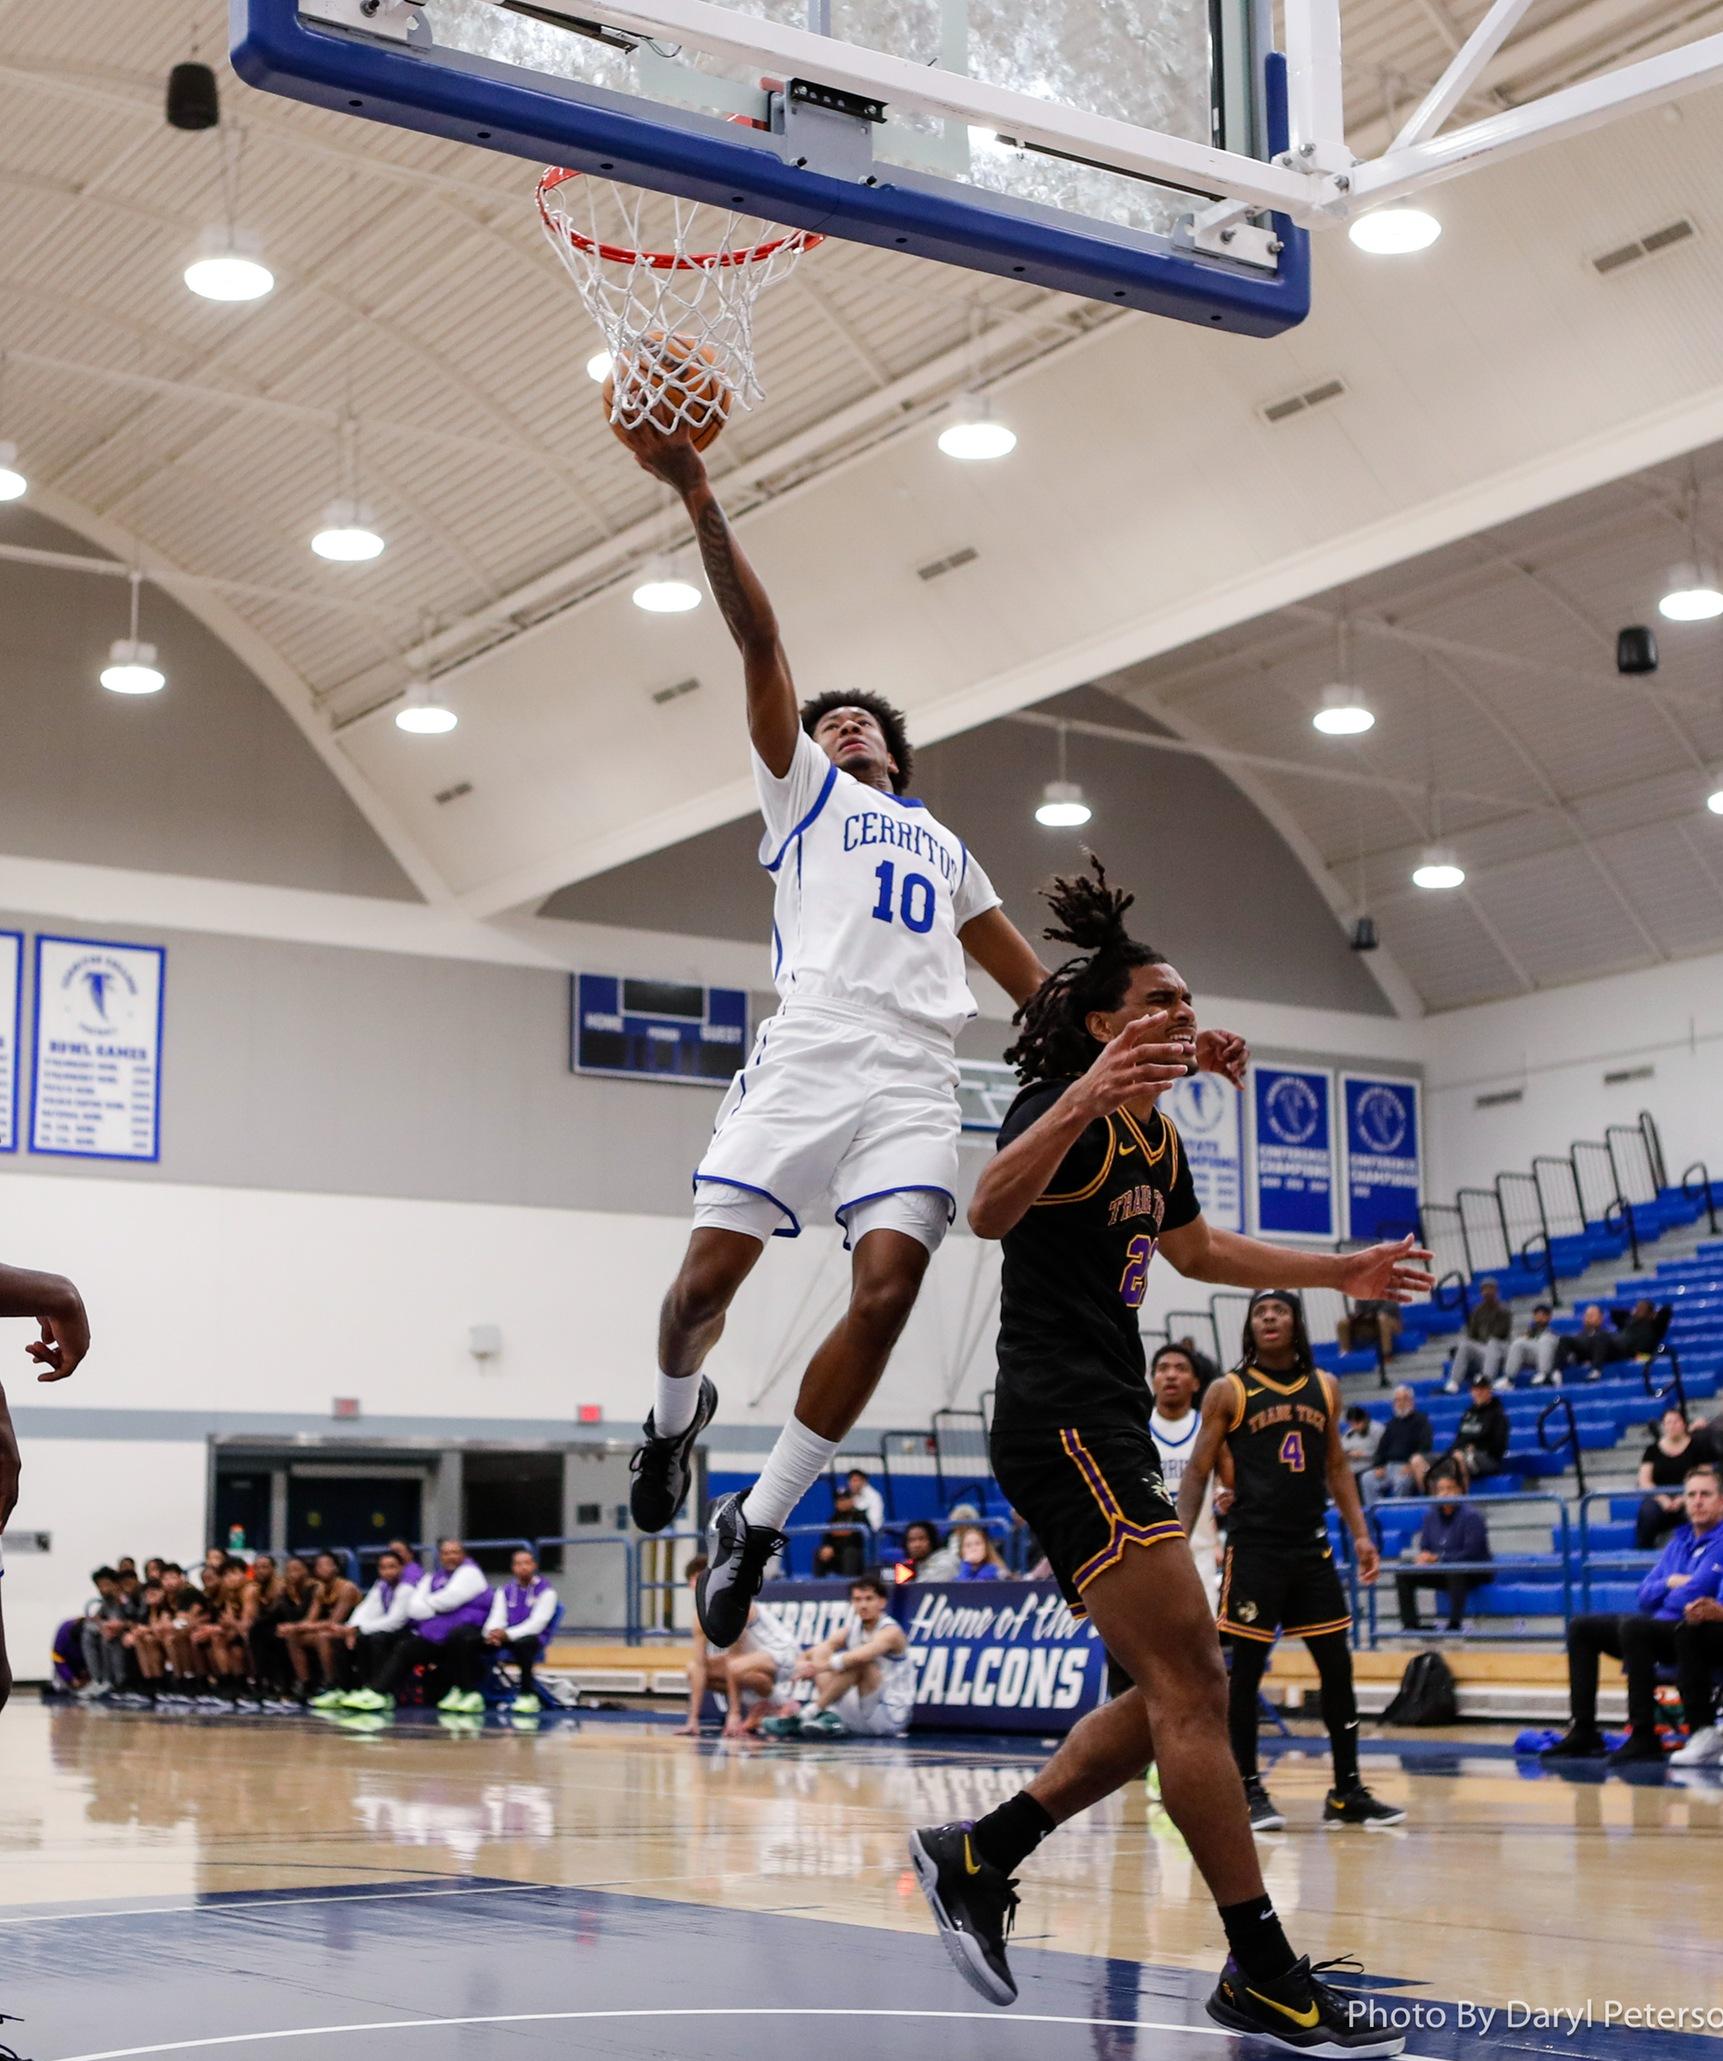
<point x="863" y="1677"/>
<point x="1173" y="1425"/>
<point x="849" y="1099"/>
<point x="55" y="1307"/>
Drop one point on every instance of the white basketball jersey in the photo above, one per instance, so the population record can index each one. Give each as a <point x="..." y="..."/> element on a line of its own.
<point x="871" y="894"/>
<point x="1175" y="1441"/>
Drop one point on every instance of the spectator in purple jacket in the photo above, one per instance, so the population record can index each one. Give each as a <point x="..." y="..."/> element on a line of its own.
<point x="1452" y="1532"/>
<point x="1689" y="1569"/>
<point x="446" y="1616"/>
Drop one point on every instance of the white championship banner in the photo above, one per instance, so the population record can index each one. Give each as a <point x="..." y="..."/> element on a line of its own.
<point x="96" y="1089"/>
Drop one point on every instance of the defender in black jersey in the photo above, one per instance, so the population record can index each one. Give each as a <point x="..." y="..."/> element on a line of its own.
<point x="1278" y="1416"/>
<point x="1089" y="1182"/>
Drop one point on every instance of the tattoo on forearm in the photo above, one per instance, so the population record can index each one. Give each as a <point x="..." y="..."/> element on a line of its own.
<point x="718" y="552"/>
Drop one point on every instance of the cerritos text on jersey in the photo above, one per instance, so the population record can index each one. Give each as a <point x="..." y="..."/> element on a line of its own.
<point x="874" y="826"/>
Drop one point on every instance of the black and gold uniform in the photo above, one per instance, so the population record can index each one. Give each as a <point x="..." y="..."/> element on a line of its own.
<point x="1070" y="1441"/>
<point x="1279" y="1574"/>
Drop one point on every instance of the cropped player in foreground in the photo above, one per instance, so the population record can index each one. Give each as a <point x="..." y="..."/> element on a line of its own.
<point x="1278" y="1416"/>
<point x="849" y="1099"/>
<point x="55" y="1307"/>
<point x="1089" y="1180"/>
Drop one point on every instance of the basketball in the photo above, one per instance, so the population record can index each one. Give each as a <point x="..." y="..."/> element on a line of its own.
<point x="683" y="372"/>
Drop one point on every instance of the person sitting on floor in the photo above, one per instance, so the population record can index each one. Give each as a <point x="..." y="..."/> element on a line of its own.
<point x="1481" y="1439"/>
<point x="1689" y="1569"/>
<point x="1489" y="1325"/>
<point x="519" y="1624"/>
<point x="1452" y="1532"/>
<point x="1402" y="1457"/>
<point x="863" y="1677"/>
<point x="752" y="1679"/>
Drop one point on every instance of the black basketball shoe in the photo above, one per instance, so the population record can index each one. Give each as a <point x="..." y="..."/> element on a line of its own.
<point x="972" y="1904"/>
<point x="1301" y="2012"/>
<point x="1356" y="1806"/>
<point x="1263" y="1815"/>
<point x="739" y="1553"/>
<point x="663" y="1467"/>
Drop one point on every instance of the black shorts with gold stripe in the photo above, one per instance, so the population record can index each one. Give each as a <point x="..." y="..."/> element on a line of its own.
<point x="1267" y="1589"/>
<point x="1086" y="1495"/>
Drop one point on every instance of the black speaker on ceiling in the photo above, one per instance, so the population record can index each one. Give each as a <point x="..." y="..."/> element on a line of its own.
<point x="1364" y="938"/>
<point x="1635" y="650"/>
<point x="192" y="99"/>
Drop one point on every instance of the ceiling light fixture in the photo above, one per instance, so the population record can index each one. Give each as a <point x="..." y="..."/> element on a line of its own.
<point x="1438" y="868"/>
<point x="131" y="666"/>
<point x="228" y="268"/>
<point x="598" y="367"/>
<point x="1693" y="599"/>
<point x="1714" y="800"/>
<point x="347" y="536"/>
<point x="974" y="433"/>
<point x="1343" y="713"/>
<point x="13" y="484"/>
<point x="1062" y="806"/>
<point x="663" y="590"/>
<point x="424" y="713"/>
<point x="1394" y="232"/>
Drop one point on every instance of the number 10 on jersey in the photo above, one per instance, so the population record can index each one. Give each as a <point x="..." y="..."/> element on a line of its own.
<point x="913" y="902"/>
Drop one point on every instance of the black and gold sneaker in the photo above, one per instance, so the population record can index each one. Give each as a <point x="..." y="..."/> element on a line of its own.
<point x="1356" y="1806"/>
<point x="1301" y="2012"/>
<point x="972" y="1904"/>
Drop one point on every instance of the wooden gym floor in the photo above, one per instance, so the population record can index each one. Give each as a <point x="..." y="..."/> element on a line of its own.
<point x="448" y="1890"/>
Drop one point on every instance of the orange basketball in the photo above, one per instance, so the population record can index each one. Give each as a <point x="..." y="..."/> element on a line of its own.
<point x="684" y="373"/>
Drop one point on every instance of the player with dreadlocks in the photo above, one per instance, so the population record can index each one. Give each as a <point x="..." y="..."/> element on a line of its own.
<point x="1089" y="1181"/>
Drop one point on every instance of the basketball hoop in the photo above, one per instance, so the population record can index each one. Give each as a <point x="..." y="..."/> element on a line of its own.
<point x="664" y="311"/>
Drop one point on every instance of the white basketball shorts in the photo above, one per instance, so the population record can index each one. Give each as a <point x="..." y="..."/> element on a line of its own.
<point x="841" y="1108"/>
<point x="874" y="1716"/>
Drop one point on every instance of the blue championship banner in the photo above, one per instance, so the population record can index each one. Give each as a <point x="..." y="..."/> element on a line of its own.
<point x="1292" y="1151"/>
<point x="1205" y="1112"/>
<point x="11" y="1015"/>
<point x="988" y="1656"/>
<point x="1379" y="1148"/>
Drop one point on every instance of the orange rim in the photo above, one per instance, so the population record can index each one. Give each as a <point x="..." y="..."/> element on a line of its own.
<point x="659" y="260"/>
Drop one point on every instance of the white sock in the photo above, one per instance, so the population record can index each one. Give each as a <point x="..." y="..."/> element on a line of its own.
<point x="677" y="1399"/>
<point x="795" y="1463"/>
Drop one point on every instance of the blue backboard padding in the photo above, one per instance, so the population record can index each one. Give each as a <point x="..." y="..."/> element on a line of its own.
<point x="496" y="107"/>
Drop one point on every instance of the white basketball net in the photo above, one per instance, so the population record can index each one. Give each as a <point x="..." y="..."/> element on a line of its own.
<point x="694" y="292"/>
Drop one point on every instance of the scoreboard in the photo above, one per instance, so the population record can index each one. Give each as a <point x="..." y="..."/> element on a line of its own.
<point x="660" y="1030"/>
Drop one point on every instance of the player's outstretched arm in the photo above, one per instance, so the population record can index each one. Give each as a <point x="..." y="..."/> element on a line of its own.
<point x="1394" y="1272"/>
<point x="57" y="1308"/>
<point x="1000" y="949"/>
<point x="1211" y="1434"/>
<point x="1136" y="1067"/>
<point x="773" y="718"/>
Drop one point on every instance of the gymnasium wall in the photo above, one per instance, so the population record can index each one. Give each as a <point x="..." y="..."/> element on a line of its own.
<point x="1556" y="1048"/>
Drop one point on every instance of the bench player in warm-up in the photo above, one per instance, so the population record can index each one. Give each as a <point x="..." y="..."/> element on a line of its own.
<point x="849" y="1098"/>
<point x="1089" y="1181"/>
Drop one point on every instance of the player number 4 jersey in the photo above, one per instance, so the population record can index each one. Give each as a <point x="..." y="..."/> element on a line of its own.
<point x="871" y="894"/>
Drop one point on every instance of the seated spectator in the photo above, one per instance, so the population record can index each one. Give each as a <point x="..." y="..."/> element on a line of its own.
<point x="1489" y="1325"/>
<point x="1600" y="1344"/>
<point x="1481" y="1440"/>
<point x="1359" y="1438"/>
<point x="367" y="1636"/>
<point x="926" y="1557"/>
<point x="219" y="1642"/>
<point x="1537" y="1343"/>
<point x="977" y="1556"/>
<point x="1698" y="1658"/>
<point x="1402" y="1455"/>
<point x="869" y="1503"/>
<point x="752" y="1679"/>
<point x="1658" y="1633"/>
<point x="144" y="1649"/>
<point x="286" y="1604"/>
<point x="1369" y="1327"/>
<point x="411" y="1572"/>
<point x="446" y="1617"/>
<point x="863" y="1677"/>
<point x="519" y="1625"/>
<point x="214" y="1566"/>
<point x="106" y="1620"/>
<point x="1663" y="1469"/>
<point x="1452" y="1531"/>
<point x="184" y="1612"/>
<point x="843" y="1548"/>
